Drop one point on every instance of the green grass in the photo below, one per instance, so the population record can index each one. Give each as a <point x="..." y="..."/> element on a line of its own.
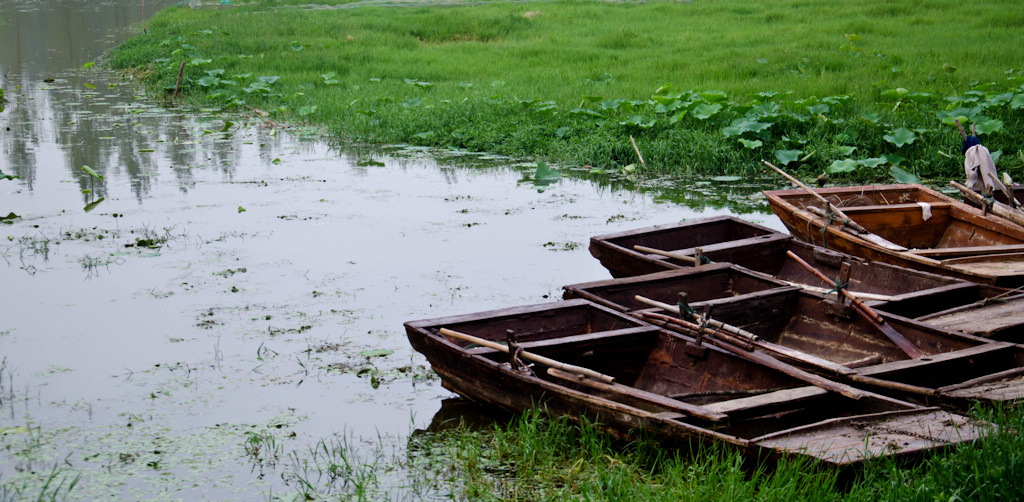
<point x="570" y="81"/>
<point x="538" y="458"/>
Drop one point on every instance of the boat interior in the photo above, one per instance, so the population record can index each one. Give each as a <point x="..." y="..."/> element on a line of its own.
<point x="756" y="400"/>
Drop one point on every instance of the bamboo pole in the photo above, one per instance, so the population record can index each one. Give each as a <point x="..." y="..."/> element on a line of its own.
<point x="766" y="346"/>
<point x="998" y="208"/>
<point x="667" y="254"/>
<point x="743" y="334"/>
<point x="531" y="356"/>
<point x="788" y="369"/>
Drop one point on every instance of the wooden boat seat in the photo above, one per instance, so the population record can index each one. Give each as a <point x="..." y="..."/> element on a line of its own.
<point x="720" y="245"/>
<point x="779" y="397"/>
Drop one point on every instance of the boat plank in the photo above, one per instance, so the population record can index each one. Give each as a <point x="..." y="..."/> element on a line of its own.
<point x="793" y="395"/>
<point x="984" y="320"/>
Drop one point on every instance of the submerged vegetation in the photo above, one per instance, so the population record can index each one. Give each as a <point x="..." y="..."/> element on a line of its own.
<point x="852" y="89"/>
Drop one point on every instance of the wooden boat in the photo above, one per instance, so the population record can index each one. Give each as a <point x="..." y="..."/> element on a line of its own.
<point x="907" y="225"/>
<point x="953" y="369"/>
<point x="968" y="307"/>
<point x="728" y="239"/>
<point x="666" y="384"/>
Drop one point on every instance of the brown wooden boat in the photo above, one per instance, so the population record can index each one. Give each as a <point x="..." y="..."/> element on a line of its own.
<point x="663" y="382"/>
<point x="953" y="369"/>
<point x="728" y="239"/>
<point x="907" y="225"/>
<point x="964" y="306"/>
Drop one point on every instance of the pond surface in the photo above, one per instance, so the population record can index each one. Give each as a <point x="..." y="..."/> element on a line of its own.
<point x="215" y="297"/>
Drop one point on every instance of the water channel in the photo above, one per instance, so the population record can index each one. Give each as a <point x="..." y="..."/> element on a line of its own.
<point x="218" y="286"/>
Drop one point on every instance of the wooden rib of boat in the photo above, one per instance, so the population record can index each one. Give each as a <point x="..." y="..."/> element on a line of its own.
<point x="668" y="385"/>
<point x="955" y="371"/>
<point x="728" y="239"/>
<point x="925" y="230"/>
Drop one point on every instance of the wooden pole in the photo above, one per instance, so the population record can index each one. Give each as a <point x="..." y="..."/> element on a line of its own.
<point x="177" y="85"/>
<point x="678" y="256"/>
<point x="787" y="352"/>
<point x="815" y="194"/>
<point x="866" y="312"/>
<point x="641" y="395"/>
<point x="637" y="150"/>
<point x="531" y="356"/>
<point x="793" y="371"/>
<point x="711" y="322"/>
<point x="998" y="208"/>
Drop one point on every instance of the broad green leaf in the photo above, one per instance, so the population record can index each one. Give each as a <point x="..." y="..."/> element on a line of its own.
<point x="744" y="124"/>
<point x="727" y="178"/>
<point x="989" y="126"/>
<point x="786" y="156"/>
<point x="918" y="97"/>
<point x="846" y="151"/>
<point x="843" y="166"/>
<point x="873" y="161"/>
<point x="1017" y="102"/>
<point x="269" y="79"/>
<point x="714" y="96"/>
<point x="751" y="144"/>
<point x="819" y="109"/>
<point x="88" y="170"/>
<point x="637" y="121"/>
<point x="208" y="81"/>
<point x="894" y="158"/>
<point x="545" y="173"/>
<point x="199" y="61"/>
<point x="88" y="65"/>
<point x="306" y="110"/>
<point x="901" y="136"/>
<point x="376" y="353"/>
<point x="593" y="99"/>
<point x="412" y="102"/>
<point x="896" y="93"/>
<point x="611" y="104"/>
<point x="705" y="111"/>
<point x="903" y="176"/>
<point x="871" y="118"/>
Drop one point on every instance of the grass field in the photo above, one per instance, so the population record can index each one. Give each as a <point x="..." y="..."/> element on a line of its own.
<point x="704" y="87"/>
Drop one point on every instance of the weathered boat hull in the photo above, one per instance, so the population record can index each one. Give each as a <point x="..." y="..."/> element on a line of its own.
<point x="930" y="231"/>
<point x="765" y="412"/>
<point x="754" y="247"/>
<point x="956" y="371"/>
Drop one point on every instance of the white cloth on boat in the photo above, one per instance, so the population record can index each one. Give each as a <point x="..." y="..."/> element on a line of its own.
<point x="926" y="210"/>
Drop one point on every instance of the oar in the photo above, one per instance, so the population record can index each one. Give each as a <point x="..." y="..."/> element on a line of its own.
<point x="793" y="371"/>
<point x="866" y="312"/>
<point x="531" y="356"/>
<point x="847" y="223"/>
<point x="595" y="380"/>
<point x="759" y="343"/>
<point x="641" y="395"/>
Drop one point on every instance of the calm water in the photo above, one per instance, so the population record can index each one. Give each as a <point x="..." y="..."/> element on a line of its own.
<point x="224" y="282"/>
